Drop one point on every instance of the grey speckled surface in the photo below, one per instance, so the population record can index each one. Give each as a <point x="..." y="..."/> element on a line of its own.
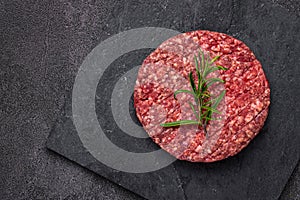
<point x="42" y="46"/>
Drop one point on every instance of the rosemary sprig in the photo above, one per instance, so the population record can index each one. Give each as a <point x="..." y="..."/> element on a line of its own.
<point x="205" y="105"/>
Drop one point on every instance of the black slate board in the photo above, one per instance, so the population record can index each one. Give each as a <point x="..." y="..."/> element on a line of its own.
<point x="258" y="172"/>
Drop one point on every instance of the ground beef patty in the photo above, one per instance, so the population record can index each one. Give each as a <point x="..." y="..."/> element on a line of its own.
<point x="243" y="109"/>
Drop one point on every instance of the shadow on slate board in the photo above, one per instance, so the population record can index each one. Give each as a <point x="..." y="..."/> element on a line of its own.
<point x="261" y="170"/>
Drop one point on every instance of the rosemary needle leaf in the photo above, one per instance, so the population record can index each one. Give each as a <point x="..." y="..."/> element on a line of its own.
<point x="178" y="123"/>
<point x="209" y="118"/>
<point x="218" y="99"/>
<point x="210" y="70"/>
<point x="221" y="67"/>
<point x="207" y="102"/>
<point x="192" y="82"/>
<point x="206" y="67"/>
<point x="214" y="59"/>
<point x="193" y="108"/>
<point x="205" y="95"/>
<point x="183" y="91"/>
<point x="213" y="80"/>
<point x="197" y="71"/>
<point x="196" y="63"/>
<point x="199" y="82"/>
<point x="211" y="109"/>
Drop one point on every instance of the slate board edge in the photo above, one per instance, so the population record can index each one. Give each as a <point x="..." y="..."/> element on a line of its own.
<point x="53" y="149"/>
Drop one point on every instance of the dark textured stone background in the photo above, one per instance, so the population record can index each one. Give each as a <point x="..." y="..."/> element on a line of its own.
<point x="42" y="47"/>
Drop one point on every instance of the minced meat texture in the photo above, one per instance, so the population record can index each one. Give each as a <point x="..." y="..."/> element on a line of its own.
<point x="243" y="109"/>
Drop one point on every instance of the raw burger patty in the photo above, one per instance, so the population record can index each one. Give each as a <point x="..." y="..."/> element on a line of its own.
<point x="244" y="107"/>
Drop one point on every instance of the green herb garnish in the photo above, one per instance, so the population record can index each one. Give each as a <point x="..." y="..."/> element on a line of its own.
<point x="205" y="105"/>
